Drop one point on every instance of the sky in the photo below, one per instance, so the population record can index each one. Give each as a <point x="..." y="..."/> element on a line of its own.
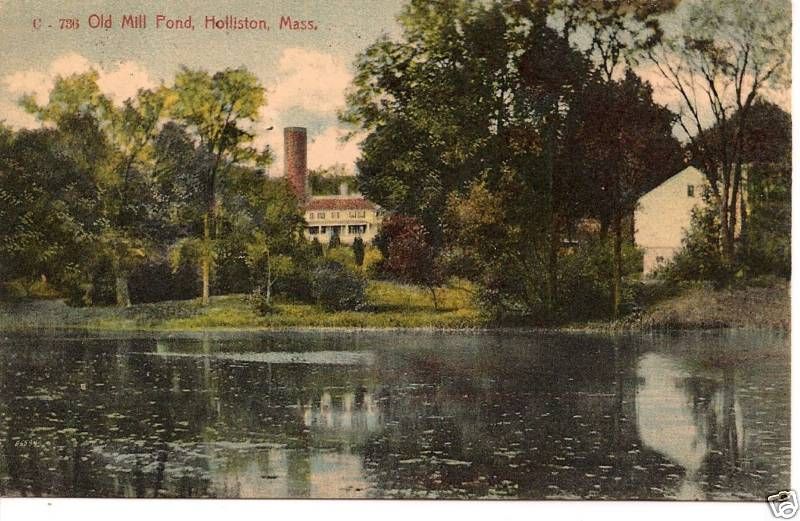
<point x="305" y="73"/>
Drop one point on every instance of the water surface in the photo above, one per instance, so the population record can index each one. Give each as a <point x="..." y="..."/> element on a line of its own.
<point x="395" y="415"/>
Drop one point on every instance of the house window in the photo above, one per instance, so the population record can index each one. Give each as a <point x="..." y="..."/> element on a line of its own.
<point x="335" y="215"/>
<point x="356" y="229"/>
<point x="320" y="215"/>
<point x="313" y="230"/>
<point x="690" y="190"/>
<point x="362" y="214"/>
<point x="323" y="230"/>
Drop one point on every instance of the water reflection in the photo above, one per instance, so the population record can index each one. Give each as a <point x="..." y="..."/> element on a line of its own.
<point x="379" y="415"/>
<point x="688" y="418"/>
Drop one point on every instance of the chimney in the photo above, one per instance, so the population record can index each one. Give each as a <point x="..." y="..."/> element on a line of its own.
<point x="294" y="159"/>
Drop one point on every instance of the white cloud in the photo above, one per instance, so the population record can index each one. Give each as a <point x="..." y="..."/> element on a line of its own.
<point x="29" y="82"/>
<point x="68" y="64"/>
<point x="119" y="81"/>
<point x="326" y="149"/>
<point x="15" y="117"/>
<point x="124" y="81"/>
<point x="313" y="80"/>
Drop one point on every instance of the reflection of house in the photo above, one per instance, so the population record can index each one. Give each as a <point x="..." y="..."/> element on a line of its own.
<point x="346" y="215"/>
<point x="664" y="214"/>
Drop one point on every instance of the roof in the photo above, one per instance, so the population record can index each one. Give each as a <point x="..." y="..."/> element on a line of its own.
<point x="339" y="203"/>
<point x="688" y="172"/>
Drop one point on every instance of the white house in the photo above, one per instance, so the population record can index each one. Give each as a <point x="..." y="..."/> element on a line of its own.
<point x="664" y="214"/>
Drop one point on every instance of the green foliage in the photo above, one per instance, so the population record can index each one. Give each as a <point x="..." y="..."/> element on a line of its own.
<point x="329" y="181"/>
<point x="47" y="210"/>
<point x="261" y="301"/>
<point x="373" y="260"/>
<point x="342" y="255"/>
<point x="700" y="257"/>
<point x="338" y="289"/>
<point x="316" y="248"/>
<point x="334" y="242"/>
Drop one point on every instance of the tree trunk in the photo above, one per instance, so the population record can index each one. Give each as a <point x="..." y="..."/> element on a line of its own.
<point x="121" y="290"/>
<point x="552" y="268"/>
<point x="205" y="263"/>
<point x="269" y="279"/>
<point x="617" y="271"/>
<point x="435" y="300"/>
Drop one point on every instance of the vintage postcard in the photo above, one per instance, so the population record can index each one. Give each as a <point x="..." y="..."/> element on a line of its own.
<point x="396" y="249"/>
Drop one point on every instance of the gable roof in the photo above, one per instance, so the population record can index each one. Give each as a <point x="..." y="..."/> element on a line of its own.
<point x="689" y="172"/>
<point x="339" y="203"/>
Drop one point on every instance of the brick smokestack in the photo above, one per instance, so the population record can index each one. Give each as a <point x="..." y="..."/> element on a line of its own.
<point x="294" y="159"/>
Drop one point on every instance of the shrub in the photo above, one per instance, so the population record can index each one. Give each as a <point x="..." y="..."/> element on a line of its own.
<point x="700" y="257"/>
<point x="338" y="289"/>
<point x="259" y="301"/>
<point x="316" y="248"/>
<point x="334" y="241"/>
<point x="156" y="281"/>
<point x="296" y="285"/>
<point x="358" y="251"/>
<point x="373" y="261"/>
<point x="343" y="256"/>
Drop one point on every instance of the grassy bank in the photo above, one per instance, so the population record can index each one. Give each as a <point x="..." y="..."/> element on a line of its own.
<point x="390" y="306"/>
<point x="400" y="306"/>
<point x="702" y="307"/>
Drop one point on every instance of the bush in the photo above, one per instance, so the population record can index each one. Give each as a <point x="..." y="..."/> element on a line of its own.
<point x="343" y="256"/>
<point x="334" y="242"/>
<point x="296" y="286"/>
<point x="358" y="251"/>
<point x="338" y="289"/>
<point x="316" y="249"/>
<point x="258" y="299"/>
<point x="373" y="262"/>
<point x="699" y="259"/>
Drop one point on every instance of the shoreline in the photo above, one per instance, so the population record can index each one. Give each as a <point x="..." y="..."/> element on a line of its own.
<point x="690" y="309"/>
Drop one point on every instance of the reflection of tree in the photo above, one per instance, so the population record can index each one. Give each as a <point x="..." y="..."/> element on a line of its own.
<point x="715" y="411"/>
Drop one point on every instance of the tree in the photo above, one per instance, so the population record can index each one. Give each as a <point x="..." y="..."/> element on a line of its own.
<point x="408" y="253"/>
<point x="114" y="146"/>
<point x="217" y="110"/>
<point x="612" y="33"/>
<point x="358" y="251"/>
<point x="626" y="142"/>
<point x="334" y="241"/>
<point x="639" y="147"/>
<point x="48" y="210"/>
<point x="436" y="104"/>
<point x="727" y="54"/>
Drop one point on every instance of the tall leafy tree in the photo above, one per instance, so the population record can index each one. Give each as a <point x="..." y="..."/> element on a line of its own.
<point x="219" y="111"/>
<point x="625" y="142"/>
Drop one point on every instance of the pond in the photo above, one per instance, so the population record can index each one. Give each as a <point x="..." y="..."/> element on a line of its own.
<point x="694" y="415"/>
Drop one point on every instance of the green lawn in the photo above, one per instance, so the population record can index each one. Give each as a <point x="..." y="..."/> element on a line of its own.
<point x="389" y="305"/>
